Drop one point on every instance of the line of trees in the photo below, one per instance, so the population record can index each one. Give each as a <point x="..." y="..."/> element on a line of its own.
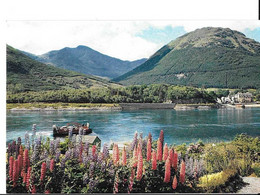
<point x="155" y="93"/>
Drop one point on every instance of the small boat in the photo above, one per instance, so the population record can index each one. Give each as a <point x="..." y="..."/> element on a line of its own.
<point x="64" y="130"/>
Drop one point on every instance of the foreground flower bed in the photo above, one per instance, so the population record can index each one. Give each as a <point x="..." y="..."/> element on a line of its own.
<point x="145" y="165"/>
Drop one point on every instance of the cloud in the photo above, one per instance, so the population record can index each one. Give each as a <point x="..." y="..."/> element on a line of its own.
<point x="116" y="39"/>
<point x="127" y="40"/>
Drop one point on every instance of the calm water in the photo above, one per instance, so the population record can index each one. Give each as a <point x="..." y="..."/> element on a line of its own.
<point x="179" y="126"/>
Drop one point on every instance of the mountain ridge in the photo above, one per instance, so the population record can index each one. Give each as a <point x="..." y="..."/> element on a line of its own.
<point x="86" y="60"/>
<point x="211" y="57"/>
<point x="27" y="74"/>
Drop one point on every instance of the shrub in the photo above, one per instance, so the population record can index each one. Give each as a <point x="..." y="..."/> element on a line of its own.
<point x="212" y="181"/>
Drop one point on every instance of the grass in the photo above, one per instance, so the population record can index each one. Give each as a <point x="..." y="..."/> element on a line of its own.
<point x="57" y="105"/>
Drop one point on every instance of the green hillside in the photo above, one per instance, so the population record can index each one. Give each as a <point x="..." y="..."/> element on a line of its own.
<point x="26" y="74"/>
<point x="210" y="57"/>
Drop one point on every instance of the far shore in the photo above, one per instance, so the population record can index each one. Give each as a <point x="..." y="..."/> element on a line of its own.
<point x="114" y="107"/>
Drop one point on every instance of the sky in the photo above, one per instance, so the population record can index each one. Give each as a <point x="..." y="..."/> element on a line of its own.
<point x="126" y="40"/>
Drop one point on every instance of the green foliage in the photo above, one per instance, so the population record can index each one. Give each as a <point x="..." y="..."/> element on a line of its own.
<point x="205" y="57"/>
<point x="216" y="180"/>
<point x="240" y="154"/>
<point x="256" y="169"/>
<point x="26" y="74"/>
<point x="156" y="93"/>
<point x="182" y="149"/>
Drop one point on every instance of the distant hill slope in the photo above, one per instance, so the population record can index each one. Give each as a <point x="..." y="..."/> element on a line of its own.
<point x="26" y="74"/>
<point x="88" y="61"/>
<point x="211" y="57"/>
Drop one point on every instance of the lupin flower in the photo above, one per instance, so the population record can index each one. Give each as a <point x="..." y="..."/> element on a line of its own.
<point x="15" y="172"/>
<point x="57" y="155"/>
<point x="115" y="189"/>
<point x="171" y="156"/>
<point x="134" y="142"/>
<point x="140" y="142"/>
<point x="36" y="150"/>
<point x="56" y="144"/>
<point x="43" y="171"/>
<point x="139" y="167"/>
<point x="149" y="150"/>
<point x="33" y="189"/>
<point x="52" y="165"/>
<point x="115" y="154"/>
<point x="20" y="163"/>
<point x="44" y="155"/>
<point x="23" y="174"/>
<point x="99" y="158"/>
<point x="86" y="147"/>
<point x="165" y="152"/>
<point x="131" y="183"/>
<point x="154" y="160"/>
<point x="11" y="162"/>
<point x="13" y="147"/>
<point x="94" y="148"/>
<point x="174" y="183"/>
<point x="139" y="148"/>
<point x="76" y="152"/>
<point x="21" y="150"/>
<point x="67" y="157"/>
<point x="182" y="172"/>
<point x="85" y="159"/>
<point x="175" y="160"/>
<point x="91" y="169"/>
<point x="25" y="160"/>
<point x="80" y="152"/>
<point x="70" y="133"/>
<point x="27" y="140"/>
<point x="105" y="151"/>
<point x="51" y="147"/>
<point x="150" y="137"/>
<point x="124" y="157"/>
<point x="161" y="137"/>
<point x="135" y="157"/>
<point x="144" y="146"/>
<point x="28" y="177"/>
<point x="47" y="191"/>
<point x="34" y="130"/>
<point x="159" y="150"/>
<point x="103" y="166"/>
<point x="17" y="147"/>
<point x="167" y="173"/>
<point x="19" y="141"/>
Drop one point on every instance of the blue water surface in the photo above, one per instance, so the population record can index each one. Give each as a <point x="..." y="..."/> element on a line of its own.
<point x="179" y="127"/>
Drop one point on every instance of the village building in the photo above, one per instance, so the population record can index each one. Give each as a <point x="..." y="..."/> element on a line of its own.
<point x="243" y="97"/>
<point x="92" y="140"/>
<point x="237" y="98"/>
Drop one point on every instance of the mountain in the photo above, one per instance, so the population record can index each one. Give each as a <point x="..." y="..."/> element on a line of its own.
<point x="210" y="57"/>
<point x="88" y="61"/>
<point x="26" y="74"/>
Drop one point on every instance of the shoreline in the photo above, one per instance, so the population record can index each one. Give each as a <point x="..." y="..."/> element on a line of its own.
<point x="68" y="109"/>
<point x="117" y="107"/>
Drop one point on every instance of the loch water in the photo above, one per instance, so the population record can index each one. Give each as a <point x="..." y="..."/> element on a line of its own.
<point x="180" y="126"/>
